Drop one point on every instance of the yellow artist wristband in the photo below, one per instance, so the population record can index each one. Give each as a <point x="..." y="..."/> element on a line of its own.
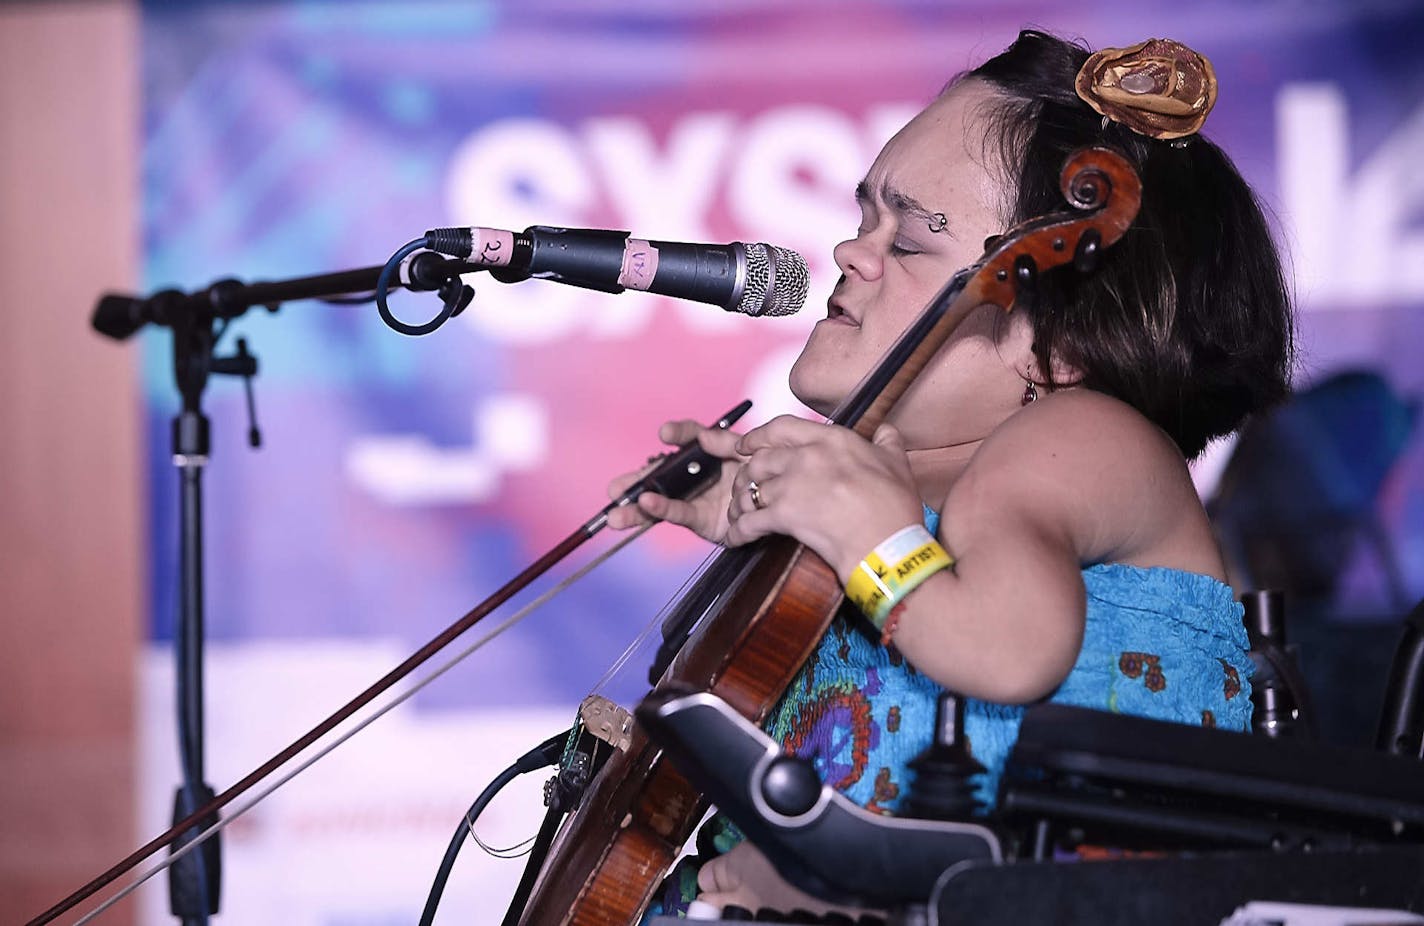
<point x="893" y="569"/>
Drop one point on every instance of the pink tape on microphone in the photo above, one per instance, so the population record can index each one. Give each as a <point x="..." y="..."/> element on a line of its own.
<point x="640" y="264"/>
<point x="493" y="247"/>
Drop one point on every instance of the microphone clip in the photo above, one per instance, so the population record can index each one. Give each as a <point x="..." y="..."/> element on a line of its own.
<point x="425" y="271"/>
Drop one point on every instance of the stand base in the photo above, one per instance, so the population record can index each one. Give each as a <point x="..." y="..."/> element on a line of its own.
<point x="195" y="880"/>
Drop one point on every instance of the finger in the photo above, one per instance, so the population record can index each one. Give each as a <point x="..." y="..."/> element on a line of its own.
<point x="621" y="483"/>
<point x="889" y="439"/>
<point x="741" y="501"/>
<point x="717" y="876"/>
<point x="720" y="443"/>
<point x="889" y="436"/>
<point x="763" y="469"/>
<point x="766" y="464"/>
<point x="679" y="431"/>
<point x="672" y="510"/>
<point x="751" y="524"/>
<point x="781" y="431"/>
<point x="723" y="899"/>
<point x="626" y="516"/>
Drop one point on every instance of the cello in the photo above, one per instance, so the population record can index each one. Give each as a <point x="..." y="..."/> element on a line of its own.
<point x="747" y="626"/>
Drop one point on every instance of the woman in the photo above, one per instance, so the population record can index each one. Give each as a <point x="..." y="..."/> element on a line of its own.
<point x="1045" y="450"/>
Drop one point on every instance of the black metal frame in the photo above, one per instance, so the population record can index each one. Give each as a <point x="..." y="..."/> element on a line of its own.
<point x="1201" y="821"/>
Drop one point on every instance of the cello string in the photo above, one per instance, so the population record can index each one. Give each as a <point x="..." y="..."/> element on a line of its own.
<point x="656" y="621"/>
<point x="449" y="664"/>
<point x="522" y="848"/>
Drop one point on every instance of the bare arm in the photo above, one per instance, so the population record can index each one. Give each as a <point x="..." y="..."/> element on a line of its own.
<point x="1076" y="479"/>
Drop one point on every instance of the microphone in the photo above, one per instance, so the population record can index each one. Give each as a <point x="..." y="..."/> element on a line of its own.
<point x="754" y="279"/>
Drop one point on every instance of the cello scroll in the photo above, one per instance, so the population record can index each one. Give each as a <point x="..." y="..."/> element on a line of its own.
<point x="1104" y="193"/>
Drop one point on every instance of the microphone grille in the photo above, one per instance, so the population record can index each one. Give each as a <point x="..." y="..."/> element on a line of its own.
<point x="777" y="281"/>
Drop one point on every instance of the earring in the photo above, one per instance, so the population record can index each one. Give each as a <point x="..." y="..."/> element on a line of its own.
<point x="1030" y="393"/>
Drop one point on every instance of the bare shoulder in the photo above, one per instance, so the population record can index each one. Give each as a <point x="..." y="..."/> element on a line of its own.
<point x="1095" y="471"/>
<point x="1083" y="426"/>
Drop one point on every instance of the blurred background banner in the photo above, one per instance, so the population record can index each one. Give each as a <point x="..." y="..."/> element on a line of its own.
<point x="401" y="480"/>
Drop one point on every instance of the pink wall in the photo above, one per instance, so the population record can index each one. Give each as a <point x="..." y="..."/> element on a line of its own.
<point x="71" y="535"/>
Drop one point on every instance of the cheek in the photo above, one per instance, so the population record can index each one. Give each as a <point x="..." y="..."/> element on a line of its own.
<point x="897" y="310"/>
<point x="969" y="362"/>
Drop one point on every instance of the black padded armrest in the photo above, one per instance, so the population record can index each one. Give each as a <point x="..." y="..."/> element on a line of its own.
<point x="817" y="839"/>
<point x="1096" y="746"/>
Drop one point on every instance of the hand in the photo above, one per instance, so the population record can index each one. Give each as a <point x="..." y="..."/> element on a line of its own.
<point x="826" y="486"/>
<point x="745" y="878"/>
<point x="706" y="513"/>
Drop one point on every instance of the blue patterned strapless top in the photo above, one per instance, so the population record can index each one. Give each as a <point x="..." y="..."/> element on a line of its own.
<point x="1157" y="643"/>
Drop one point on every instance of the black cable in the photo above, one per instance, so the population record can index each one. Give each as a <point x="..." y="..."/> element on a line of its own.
<point x="547" y="831"/>
<point x="545" y="754"/>
<point x="427" y="916"/>
<point x="383" y="283"/>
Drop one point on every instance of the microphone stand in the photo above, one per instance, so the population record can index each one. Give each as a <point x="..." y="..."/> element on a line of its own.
<point x="197" y="321"/>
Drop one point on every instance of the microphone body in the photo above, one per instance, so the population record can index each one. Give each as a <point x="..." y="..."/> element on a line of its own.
<point x="754" y="279"/>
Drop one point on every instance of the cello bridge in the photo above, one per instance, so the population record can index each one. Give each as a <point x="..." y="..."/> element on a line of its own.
<point x="607" y="721"/>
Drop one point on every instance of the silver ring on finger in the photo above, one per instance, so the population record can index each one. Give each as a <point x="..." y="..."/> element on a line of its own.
<point x="754" y="491"/>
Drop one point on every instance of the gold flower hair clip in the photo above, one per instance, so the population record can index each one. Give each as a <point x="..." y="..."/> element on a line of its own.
<point x="1158" y="88"/>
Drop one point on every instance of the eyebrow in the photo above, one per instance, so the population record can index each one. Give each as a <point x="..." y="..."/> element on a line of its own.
<point x="898" y="200"/>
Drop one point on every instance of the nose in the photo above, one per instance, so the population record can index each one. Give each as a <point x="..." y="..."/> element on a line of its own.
<point x="855" y="256"/>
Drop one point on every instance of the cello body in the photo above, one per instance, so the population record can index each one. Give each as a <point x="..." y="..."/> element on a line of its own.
<point x="639" y="811"/>
<point x="761" y="610"/>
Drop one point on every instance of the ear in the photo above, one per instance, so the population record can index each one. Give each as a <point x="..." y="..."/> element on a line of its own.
<point x="1019" y="349"/>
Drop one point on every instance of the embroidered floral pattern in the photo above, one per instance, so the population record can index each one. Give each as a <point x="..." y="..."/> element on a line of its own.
<point x="1232" y="686"/>
<point x="1138" y="665"/>
<point x="886" y="792"/>
<point x="834" y="730"/>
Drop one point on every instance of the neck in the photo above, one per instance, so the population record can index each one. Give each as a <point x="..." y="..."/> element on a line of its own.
<point x="937" y="469"/>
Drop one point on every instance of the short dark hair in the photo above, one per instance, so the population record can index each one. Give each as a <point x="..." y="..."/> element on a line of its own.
<point x="1187" y="318"/>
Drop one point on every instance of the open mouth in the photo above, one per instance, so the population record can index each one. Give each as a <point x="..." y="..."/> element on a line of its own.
<point x="838" y="315"/>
